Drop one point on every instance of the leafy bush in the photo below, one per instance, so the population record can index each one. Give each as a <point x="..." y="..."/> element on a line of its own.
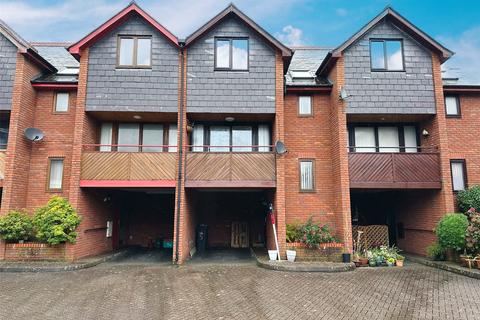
<point x="472" y="237"/>
<point x="469" y="198"/>
<point x="451" y="231"/>
<point x="293" y="233"/>
<point x="313" y="234"/>
<point x="436" y="252"/>
<point x="56" y="221"/>
<point x="15" y="226"/>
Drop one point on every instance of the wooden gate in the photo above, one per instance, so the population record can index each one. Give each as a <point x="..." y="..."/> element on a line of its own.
<point x="239" y="235"/>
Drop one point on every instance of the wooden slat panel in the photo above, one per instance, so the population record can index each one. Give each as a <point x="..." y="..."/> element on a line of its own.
<point x="370" y="167"/>
<point x="153" y="166"/>
<point x="417" y="167"/>
<point x="208" y="166"/>
<point x="3" y="157"/>
<point x="255" y="166"/>
<point x="105" y="166"/>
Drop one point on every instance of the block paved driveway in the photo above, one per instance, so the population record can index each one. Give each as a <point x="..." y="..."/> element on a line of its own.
<point x="126" y="290"/>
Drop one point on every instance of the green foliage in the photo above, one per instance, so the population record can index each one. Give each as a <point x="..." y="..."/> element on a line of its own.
<point x="472" y="237"/>
<point x="451" y="231"/>
<point x="56" y="221"/>
<point x="293" y="233"/>
<point x="384" y="253"/>
<point x="469" y="198"/>
<point x="436" y="252"/>
<point x="313" y="234"/>
<point x="15" y="226"/>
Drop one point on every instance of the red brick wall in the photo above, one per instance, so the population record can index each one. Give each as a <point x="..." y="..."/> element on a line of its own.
<point x="34" y="251"/>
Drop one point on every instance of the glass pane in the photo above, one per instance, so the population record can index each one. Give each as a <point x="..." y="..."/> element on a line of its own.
<point x="61" y="102"/>
<point x="410" y="135"/>
<point x="106" y="137"/>
<point x="306" y="175"/>
<point x="143" y="51"/>
<point x="56" y="174"/>
<point x="263" y="138"/>
<point x="394" y="55"/>
<point x="198" y="138"/>
<point x="126" y="52"/>
<point x="152" y="136"/>
<point x="458" y="178"/>
<point x="388" y="139"/>
<point x="128" y="134"/>
<point x="451" y="104"/>
<point x="172" y="138"/>
<point x="240" y="54"/>
<point x="4" y="127"/>
<point x="364" y="139"/>
<point x="219" y="139"/>
<point x="377" y="55"/>
<point x="242" y="138"/>
<point x="305" y="105"/>
<point x="222" y="54"/>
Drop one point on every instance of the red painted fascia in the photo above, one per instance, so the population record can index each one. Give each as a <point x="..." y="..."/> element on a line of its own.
<point x="127" y="183"/>
<point x="55" y="86"/>
<point x="115" y="21"/>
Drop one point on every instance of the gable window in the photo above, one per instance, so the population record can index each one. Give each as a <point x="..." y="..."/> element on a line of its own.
<point x="305" y="105"/>
<point x="231" y="54"/>
<point x="386" y="55"/>
<point x="55" y="174"/>
<point x="61" y="102"/>
<point x="134" y="52"/>
<point x="383" y="138"/>
<point x="459" y="175"/>
<point x="307" y="176"/>
<point x="452" y="106"/>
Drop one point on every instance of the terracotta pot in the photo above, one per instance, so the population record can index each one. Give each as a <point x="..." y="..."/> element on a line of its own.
<point x="363" y="261"/>
<point x="399" y="263"/>
<point x="477" y="262"/>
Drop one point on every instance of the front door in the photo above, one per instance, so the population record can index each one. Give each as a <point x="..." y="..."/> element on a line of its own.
<point x="239" y="235"/>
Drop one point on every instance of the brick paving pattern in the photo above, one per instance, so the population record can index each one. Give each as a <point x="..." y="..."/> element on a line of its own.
<point x="243" y="291"/>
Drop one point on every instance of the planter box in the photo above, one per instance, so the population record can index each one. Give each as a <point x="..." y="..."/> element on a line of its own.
<point x="326" y="252"/>
<point x="33" y="251"/>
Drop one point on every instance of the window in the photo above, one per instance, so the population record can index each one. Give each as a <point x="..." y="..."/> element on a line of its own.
<point x="61" y="102"/>
<point x="55" y="174"/>
<point x="129" y="137"/>
<point x="152" y="137"/>
<point x="388" y="139"/>
<point x="452" y="106"/>
<point x="106" y="137"/>
<point x="305" y="105"/>
<point x="306" y="175"/>
<point x="386" y="55"/>
<point x="134" y="52"/>
<point x="365" y="139"/>
<point x="231" y="54"/>
<point x="459" y="175"/>
<point x="4" y="128"/>
<point x="383" y="138"/>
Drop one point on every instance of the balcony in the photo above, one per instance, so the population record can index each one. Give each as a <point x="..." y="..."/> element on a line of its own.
<point x="416" y="170"/>
<point x="127" y="169"/>
<point x="230" y="169"/>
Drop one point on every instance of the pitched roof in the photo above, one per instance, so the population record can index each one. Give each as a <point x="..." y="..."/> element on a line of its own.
<point x="58" y="55"/>
<point x="305" y="62"/>
<point x="233" y="10"/>
<point x="115" y="21"/>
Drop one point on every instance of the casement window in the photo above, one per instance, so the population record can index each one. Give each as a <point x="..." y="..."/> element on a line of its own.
<point x="305" y="106"/>
<point x="384" y="138"/>
<point x="452" y="106"/>
<point x="459" y="174"/>
<point x="231" y="54"/>
<point x="386" y="55"/>
<point x="61" y="102"/>
<point x="231" y="138"/>
<point x="138" y="137"/>
<point x="55" y="174"/>
<point x="134" y="52"/>
<point x="307" y="175"/>
<point x="4" y="128"/>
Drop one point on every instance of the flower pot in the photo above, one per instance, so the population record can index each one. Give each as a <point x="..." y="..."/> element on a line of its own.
<point x="372" y="263"/>
<point x="399" y="263"/>
<point x="477" y="262"/>
<point x="363" y="261"/>
<point x="291" y="254"/>
<point x="272" y="254"/>
<point x="390" y="264"/>
<point x="346" y="257"/>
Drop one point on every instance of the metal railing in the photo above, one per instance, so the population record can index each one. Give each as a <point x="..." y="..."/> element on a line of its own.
<point x="393" y="149"/>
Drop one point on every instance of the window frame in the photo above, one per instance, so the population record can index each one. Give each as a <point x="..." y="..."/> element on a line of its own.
<point x="312" y="161"/>
<point x="385" y="60"/>
<point x="49" y="172"/>
<point x="305" y="115"/>
<point x="230" y="55"/>
<point x="55" y="99"/>
<point x="465" y="176"/>
<point x="6" y="114"/>
<point x="135" y="64"/>
<point x="459" y="109"/>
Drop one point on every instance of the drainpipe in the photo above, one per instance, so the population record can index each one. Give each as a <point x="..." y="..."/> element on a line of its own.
<point x="180" y="150"/>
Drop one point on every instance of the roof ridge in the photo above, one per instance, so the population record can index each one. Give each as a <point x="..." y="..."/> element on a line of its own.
<point x="65" y="44"/>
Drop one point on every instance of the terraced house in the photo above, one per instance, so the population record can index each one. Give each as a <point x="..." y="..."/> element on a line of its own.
<point x="150" y="136"/>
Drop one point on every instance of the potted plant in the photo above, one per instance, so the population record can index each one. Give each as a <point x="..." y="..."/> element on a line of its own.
<point x="390" y="262"/>
<point x="399" y="260"/>
<point x="451" y="232"/>
<point x="291" y="254"/>
<point x="272" y="254"/>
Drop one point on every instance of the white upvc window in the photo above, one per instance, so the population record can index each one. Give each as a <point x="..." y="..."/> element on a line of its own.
<point x="459" y="175"/>
<point x="305" y="105"/>
<point x="61" y="102"/>
<point x="307" y="175"/>
<point x="55" y="174"/>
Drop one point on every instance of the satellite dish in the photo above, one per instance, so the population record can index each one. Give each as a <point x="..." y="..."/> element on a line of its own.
<point x="33" y="134"/>
<point x="280" y="147"/>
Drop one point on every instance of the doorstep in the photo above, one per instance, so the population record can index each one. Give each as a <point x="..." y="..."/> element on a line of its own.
<point x="262" y="261"/>
<point x="58" y="266"/>
<point x="445" y="265"/>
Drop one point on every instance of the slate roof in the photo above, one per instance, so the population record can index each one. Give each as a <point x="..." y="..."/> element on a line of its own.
<point x="304" y="64"/>
<point x="58" y="55"/>
<point x="454" y="76"/>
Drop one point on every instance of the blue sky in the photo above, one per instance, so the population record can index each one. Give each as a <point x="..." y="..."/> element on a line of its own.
<point x="456" y="24"/>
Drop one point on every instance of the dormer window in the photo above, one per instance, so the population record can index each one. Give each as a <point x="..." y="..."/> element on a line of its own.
<point x="231" y="54"/>
<point x="386" y="55"/>
<point x="134" y="52"/>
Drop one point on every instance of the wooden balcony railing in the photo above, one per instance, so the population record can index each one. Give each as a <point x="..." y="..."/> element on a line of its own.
<point x="399" y="170"/>
<point x="230" y="169"/>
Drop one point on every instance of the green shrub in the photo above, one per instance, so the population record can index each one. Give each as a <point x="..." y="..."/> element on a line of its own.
<point x="469" y="198"/>
<point x="15" y="226"/>
<point x="313" y="234"/>
<point x="56" y="222"/>
<point x="436" y="252"/>
<point x="451" y="231"/>
<point x="293" y="233"/>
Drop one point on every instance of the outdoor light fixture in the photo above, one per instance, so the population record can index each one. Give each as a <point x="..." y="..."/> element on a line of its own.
<point x="425" y="133"/>
<point x="137" y="117"/>
<point x="343" y="94"/>
<point x="229" y="119"/>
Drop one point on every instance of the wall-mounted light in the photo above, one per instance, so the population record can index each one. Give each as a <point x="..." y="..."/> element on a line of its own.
<point x="229" y="119"/>
<point x="137" y="117"/>
<point x="425" y="133"/>
<point x="343" y="94"/>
